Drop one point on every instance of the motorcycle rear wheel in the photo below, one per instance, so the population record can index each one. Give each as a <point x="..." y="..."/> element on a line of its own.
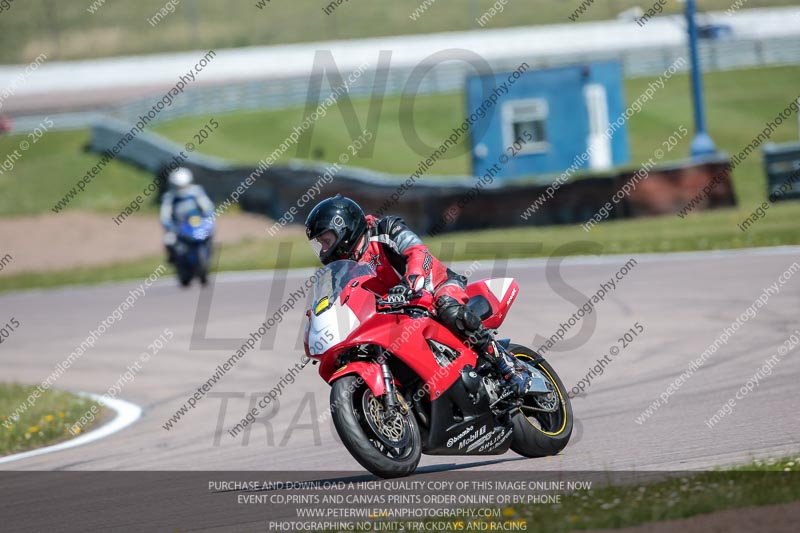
<point x="349" y="395"/>
<point x="538" y="433"/>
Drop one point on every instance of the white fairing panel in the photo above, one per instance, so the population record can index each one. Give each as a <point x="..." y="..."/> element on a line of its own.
<point x="330" y="328"/>
<point x="499" y="286"/>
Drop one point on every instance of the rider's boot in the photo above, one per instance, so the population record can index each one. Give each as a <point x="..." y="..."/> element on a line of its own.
<point x="515" y="375"/>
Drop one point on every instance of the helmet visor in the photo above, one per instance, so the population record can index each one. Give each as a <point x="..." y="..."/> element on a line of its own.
<point x="324" y="244"/>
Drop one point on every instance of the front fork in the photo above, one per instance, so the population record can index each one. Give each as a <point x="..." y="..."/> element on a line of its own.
<point x="393" y="402"/>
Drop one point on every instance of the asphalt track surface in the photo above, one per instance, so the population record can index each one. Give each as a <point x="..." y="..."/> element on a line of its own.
<point x="683" y="301"/>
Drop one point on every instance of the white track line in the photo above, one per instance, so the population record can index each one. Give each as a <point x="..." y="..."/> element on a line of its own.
<point x="127" y="414"/>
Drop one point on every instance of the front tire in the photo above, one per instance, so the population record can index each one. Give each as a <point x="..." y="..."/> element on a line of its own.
<point x="538" y="433"/>
<point x="184" y="273"/>
<point x="203" y="259"/>
<point x="354" y="411"/>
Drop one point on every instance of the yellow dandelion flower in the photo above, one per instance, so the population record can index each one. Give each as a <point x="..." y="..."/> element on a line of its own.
<point x="61" y="414"/>
<point x="508" y="511"/>
<point x="33" y="429"/>
<point x="49" y="418"/>
<point x="76" y="430"/>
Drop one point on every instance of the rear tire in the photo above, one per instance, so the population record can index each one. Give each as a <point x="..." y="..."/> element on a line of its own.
<point x="347" y="397"/>
<point x="539" y="434"/>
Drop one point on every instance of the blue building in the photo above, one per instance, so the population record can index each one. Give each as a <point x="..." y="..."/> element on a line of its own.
<point x="562" y="113"/>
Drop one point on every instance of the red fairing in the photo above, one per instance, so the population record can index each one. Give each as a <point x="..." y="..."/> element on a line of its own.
<point x="369" y="372"/>
<point x="403" y="336"/>
<point x="500" y="292"/>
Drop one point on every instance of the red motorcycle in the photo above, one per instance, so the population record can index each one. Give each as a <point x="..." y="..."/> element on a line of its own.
<point x="403" y="385"/>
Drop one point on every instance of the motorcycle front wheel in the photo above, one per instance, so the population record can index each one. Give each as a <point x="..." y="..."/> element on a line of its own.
<point x="543" y="425"/>
<point x="386" y="446"/>
<point x="203" y="258"/>
<point x="184" y="271"/>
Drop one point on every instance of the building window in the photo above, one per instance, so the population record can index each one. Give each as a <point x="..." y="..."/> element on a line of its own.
<point x="526" y="120"/>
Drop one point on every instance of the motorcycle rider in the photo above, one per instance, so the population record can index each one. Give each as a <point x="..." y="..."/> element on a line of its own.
<point x="337" y="228"/>
<point x="182" y="198"/>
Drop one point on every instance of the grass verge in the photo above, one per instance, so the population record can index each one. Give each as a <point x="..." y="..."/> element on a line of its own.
<point x="760" y="483"/>
<point x="46" y="422"/>
<point x="670" y="496"/>
<point x="713" y="230"/>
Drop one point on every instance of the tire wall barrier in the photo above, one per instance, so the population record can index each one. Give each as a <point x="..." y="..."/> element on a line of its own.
<point x="433" y="205"/>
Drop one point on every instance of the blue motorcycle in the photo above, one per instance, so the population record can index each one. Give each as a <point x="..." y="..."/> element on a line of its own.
<point x="193" y="248"/>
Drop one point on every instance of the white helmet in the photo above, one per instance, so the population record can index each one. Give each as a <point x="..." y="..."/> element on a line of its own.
<point x="180" y="177"/>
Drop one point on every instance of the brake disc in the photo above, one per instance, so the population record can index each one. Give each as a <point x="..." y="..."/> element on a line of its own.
<point x="392" y="430"/>
<point x="546" y="402"/>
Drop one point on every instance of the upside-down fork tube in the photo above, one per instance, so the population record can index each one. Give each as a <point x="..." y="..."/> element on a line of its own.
<point x="388" y="383"/>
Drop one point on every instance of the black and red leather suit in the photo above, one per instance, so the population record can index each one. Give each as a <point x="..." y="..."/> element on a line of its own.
<point x="337" y="229"/>
<point x="399" y="256"/>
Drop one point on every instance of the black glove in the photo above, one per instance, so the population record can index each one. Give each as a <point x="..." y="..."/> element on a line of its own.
<point x="399" y="294"/>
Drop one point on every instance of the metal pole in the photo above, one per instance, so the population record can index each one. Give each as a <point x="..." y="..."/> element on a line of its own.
<point x="702" y="144"/>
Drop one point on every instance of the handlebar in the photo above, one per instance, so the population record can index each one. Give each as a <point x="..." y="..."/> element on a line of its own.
<point x="420" y="300"/>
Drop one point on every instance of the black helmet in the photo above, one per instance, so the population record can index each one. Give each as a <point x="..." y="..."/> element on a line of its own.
<point x="345" y="219"/>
